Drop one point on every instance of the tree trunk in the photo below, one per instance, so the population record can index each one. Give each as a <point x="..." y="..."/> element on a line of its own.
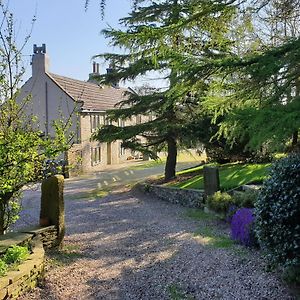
<point x="2" y="214"/>
<point x="170" y="167"/>
<point x="4" y="201"/>
<point x="295" y="138"/>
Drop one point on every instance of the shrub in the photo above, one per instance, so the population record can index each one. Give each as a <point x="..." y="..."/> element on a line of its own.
<point x="245" y="199"/>
<point x="3" y="267"/>
<point x="242" y="227"/>
<point x="278" y="213"/>
<point x="15" y="254"/>
<point x="220" y="202"/>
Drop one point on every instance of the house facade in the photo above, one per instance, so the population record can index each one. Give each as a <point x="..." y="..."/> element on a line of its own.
<point x="55" y="97"/>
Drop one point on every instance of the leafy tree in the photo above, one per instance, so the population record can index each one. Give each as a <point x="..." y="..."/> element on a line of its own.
<point x="156" y="36"/>
<point x="23" y="148"/>
<point x="258" y="96"/>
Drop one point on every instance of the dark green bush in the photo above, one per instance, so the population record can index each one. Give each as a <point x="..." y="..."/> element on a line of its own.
<point x="15" y="254"/>
<point x="278" y="213"/>
<point x="220" y="202"/>
<point x="245" y="199"/>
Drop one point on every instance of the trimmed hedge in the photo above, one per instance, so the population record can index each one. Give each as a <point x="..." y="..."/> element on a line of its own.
<point x="277" y="213"/>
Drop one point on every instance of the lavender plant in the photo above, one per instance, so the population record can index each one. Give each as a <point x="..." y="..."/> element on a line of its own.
<point x="242" y="227"/>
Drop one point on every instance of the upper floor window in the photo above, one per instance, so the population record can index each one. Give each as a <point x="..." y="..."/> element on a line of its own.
<point x="96" y="121"/>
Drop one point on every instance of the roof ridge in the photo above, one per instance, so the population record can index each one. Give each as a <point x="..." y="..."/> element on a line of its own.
<point x="87" y="82"/>
<point x="91" y="95"/>
<point x="73" y="79"/>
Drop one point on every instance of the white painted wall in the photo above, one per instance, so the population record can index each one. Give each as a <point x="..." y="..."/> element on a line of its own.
<point x="48" y="101"/>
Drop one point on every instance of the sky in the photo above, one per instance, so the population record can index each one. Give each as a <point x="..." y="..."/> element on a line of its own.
<point x="71" y="34"/>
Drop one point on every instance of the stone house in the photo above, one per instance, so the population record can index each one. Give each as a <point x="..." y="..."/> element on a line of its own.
<point x="85" y="102"/>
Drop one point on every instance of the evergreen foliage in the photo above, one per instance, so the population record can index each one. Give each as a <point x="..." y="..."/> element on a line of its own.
<point x="254" y="90"/>
<point x="157" y="34"/>
<point x="277" y="213"/>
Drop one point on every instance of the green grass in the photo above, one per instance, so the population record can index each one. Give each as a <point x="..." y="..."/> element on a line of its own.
<point x="148" y="164"/>
<point x="176" y="293"/>
<point x="231" y="176"/>
<point x="199" y="214"/>
<point x="207" y="233"/>
<point x="213" y="239"/>
<point x="65" y="256"/>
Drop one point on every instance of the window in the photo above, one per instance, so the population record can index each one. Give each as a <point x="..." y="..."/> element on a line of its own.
<point x="95" y="155"/>
<point x="138" y="119"/>
<point x="107" y="121"/>
<point x="96" y="121"/>
<point x="121" y="123"/>
<point x="122" y="150"/>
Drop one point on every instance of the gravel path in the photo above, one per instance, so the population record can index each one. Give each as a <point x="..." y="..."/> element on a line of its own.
<point x="127" y="246"/>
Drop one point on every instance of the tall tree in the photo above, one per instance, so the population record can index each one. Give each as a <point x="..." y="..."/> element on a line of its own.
<point x="258" y="94"/>
<point x="23" y="148"/>
<point x="156" y="35"/>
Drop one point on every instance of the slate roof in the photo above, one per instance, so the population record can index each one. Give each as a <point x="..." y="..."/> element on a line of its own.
<point x="93" y="96"/>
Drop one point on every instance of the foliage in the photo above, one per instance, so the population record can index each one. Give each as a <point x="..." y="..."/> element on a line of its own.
<point x="23" y="148"/>
<point x="220" y="202"/>
<point x="3" y="267"/>
<point x="262" y="105"/>
<point x="245" y="199"/>
<point x="242" y="227"/>
<point x="16" y="254"/>
<point x="278" y="212"/>
<point x="156" y="34"/>
<point x="291" y="274"/>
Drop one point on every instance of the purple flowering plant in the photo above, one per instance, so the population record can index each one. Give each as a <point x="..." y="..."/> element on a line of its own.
<point x="242" y="226"/>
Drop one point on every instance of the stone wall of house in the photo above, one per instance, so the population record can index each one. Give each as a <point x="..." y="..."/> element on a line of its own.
<point x="74" y="159"/>
<point x="111" y="153"/>
<point x="186" y="197"/>
<point x="28" y="273"/>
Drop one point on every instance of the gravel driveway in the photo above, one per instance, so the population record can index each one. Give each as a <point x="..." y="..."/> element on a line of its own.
<point x="129" y="246"/>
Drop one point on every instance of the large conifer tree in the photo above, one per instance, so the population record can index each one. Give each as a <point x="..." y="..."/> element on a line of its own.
<point x="157" y="34"/>
<point x="258" y="96"/>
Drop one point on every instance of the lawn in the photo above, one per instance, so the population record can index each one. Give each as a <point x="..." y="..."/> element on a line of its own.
<point x="231" y="175"/>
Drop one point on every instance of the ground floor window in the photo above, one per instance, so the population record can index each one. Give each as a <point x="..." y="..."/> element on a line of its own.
<point x="122" y="150"/>
<point x="95" y="155"/>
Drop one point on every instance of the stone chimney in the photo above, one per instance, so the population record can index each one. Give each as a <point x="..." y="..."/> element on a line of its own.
<point x="95" y="73"/>
<point x="40" y="60"/>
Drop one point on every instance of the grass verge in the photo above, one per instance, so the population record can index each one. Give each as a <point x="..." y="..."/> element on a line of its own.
<point x="231" y="175"/>
<point x="65" y="256"/>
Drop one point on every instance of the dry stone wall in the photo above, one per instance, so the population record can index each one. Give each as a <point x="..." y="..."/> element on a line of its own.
<point x="26" y="277"/>
<point x="186" y="197"/>
<point x="27" y="274"/>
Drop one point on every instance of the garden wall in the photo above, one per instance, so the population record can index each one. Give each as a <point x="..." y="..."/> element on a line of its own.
<point x="27" y="274"/>
<point x="186" y="197"/>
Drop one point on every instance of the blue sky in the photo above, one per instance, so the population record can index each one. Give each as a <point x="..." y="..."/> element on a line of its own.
<point x="72" y="35"/>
